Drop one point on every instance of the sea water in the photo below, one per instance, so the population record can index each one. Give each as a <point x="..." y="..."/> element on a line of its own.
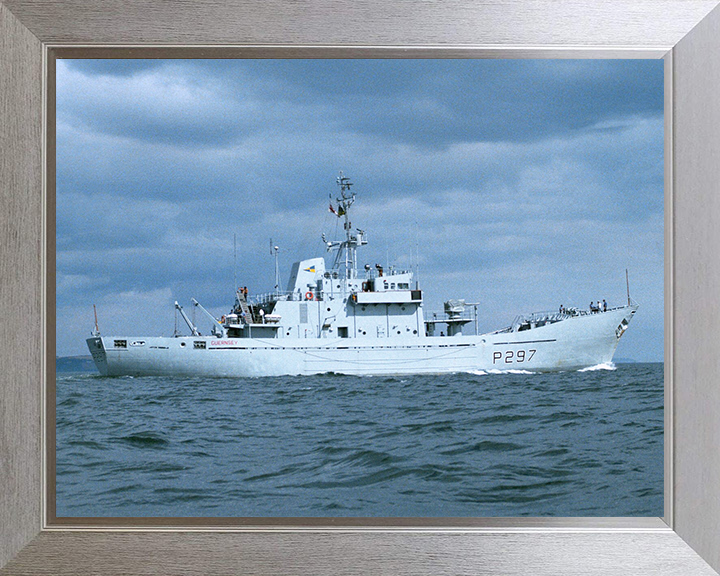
<point x="586" y="443"/>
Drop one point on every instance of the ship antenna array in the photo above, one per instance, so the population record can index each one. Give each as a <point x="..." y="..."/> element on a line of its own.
<point x="353" y="238"/>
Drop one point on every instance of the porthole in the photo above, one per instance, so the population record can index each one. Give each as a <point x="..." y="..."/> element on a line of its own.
<point x="414" y="331"/>
<point x="182" y="344"/>
<point x="328" y="309"/>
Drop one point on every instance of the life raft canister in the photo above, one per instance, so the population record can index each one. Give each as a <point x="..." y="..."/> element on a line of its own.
<point x="309" y="295"/>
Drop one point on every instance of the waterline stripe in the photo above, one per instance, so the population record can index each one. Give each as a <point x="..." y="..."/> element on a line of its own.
<point x="523" y="342"/>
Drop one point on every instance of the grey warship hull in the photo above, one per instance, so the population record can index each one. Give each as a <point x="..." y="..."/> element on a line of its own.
<point x="569" y="344"/>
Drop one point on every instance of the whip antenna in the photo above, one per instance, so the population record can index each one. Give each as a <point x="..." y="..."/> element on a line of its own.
<point x="274" y="252"/>
<point x="627" y="284"/>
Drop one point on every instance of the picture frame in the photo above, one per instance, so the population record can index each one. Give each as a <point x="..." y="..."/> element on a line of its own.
<point x="686" y="541"/>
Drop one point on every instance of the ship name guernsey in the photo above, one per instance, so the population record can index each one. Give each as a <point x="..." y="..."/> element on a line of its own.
<point x="368" y="322"/>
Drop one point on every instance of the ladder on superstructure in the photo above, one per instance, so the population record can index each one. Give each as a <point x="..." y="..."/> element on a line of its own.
<point x="249" y="316"/>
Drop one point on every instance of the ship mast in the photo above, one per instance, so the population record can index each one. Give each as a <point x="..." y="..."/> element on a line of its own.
<point x="348" y="247"/>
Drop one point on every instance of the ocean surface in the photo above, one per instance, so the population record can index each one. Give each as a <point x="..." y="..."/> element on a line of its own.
<point x="586" y="443"/>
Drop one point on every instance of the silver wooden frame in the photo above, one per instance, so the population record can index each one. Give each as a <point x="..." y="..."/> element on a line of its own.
<point x="686" y="32"/>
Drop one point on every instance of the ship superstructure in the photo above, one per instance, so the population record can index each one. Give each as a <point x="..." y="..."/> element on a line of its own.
<point x="363" y="322"/>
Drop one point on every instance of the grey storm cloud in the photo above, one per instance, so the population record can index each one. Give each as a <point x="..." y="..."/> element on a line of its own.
<point x="419" y="102"/>
<point x="519" y="184"/>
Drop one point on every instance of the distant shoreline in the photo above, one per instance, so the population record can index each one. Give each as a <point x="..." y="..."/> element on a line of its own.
<point x="74" y="364"/>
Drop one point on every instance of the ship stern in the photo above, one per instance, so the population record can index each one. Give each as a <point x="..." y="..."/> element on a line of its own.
<point x="99" y="356"/>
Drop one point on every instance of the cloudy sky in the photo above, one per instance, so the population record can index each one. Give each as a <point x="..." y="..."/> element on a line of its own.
<point x="523" y="184"/>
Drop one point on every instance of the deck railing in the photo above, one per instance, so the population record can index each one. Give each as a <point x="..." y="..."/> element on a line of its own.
<point x="269" y="297"/>
<point x="550" y="317"/>
<point x="442" y="316"/>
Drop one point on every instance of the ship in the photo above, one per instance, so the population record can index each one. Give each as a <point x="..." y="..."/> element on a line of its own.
<point x="363" y="322"/>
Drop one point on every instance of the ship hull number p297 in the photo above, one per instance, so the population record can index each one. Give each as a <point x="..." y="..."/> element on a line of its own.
<point x="513" y="356"/>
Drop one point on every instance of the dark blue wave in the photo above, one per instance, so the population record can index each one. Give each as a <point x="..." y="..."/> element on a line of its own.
<point x="568" y="444"/>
